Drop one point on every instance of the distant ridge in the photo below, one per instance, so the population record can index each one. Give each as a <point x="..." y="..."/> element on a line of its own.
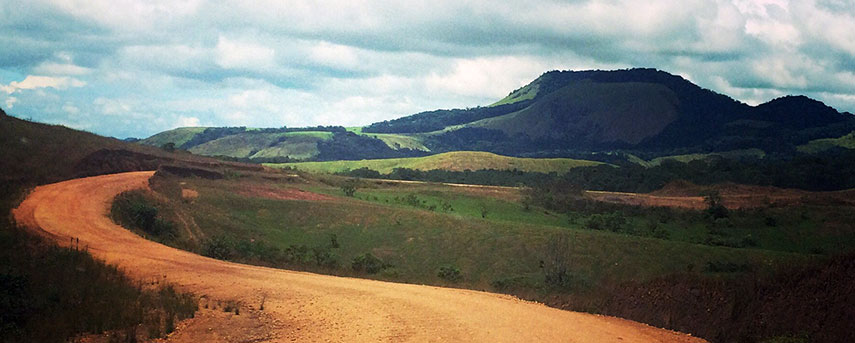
<point x="648" y="112"/>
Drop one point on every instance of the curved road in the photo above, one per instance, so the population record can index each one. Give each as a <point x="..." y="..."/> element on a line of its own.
<point x="314" y="307"/>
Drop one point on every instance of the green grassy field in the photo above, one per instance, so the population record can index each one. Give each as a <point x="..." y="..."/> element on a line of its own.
<point x="455" y="161"/>
<point x="489" y="234"/>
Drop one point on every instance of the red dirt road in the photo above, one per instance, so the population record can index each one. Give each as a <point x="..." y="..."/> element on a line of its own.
<point x="310" y="307"/>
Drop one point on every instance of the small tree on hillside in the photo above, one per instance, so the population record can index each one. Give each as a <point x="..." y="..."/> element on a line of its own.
<point x="715" y="206"/>
<point x="556" y="260"/>
<point x="349" y="189"/>
<point x="168" y="147"/>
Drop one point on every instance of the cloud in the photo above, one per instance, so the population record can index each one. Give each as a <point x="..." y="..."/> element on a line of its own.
<point x="10" y="102"/>
<point x="233" y="54"/>
<point x="36" y="82"/>
<point x="150" y="65"/>
<point x="187" y="122"/>
<point x="52" y="68"/>
<point x="489" y="78"/>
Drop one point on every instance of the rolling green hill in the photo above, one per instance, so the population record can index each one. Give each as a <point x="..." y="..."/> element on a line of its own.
<point x="296" y="145"/>
<point x="818" y="145"/>
<point x="278" y="144"/>
<point x="453" y="161"/>
<point x="178" y="136"/>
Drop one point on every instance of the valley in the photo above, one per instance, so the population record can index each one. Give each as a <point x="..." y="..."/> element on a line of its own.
<point x="311" y="307"/>
<point x="629" y="194"/>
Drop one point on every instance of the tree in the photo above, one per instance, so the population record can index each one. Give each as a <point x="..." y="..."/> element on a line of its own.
<point x="349" y="189"/>
<point x="715" y="206"/>
<point x="556" y="260"/>
<point x="168" y="147"/>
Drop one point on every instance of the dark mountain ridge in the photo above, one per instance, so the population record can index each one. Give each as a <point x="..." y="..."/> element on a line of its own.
<point x="645" y="110"/>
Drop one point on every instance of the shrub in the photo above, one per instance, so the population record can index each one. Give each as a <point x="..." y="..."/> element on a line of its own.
<point x="348" y="189"/>
<point x="556" y="260"/>
<point x="135" y="211"/>
<point x="218" y="247"/>
<point x="508" y="283"/>
<point x="449" y="273"/>
<point x="324" y="257"/>
<point x="367" y="263"/>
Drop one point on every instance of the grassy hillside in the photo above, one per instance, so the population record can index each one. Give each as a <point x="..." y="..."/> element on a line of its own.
<point x="819" y="145"/>
<point x="490" y="238"/>
<point x="399" y="142"/>
<point x="454" y="161"/>
<point x="594" y="112"/>
<point x="179" y="136"/>
<point x="527" y="92"/>
<point x="735" y="154"/>
<point x="39" y="153"/>
<point x="55" y="294"/>
<point x="484" y="232"/>
<point x="296" y="145"/>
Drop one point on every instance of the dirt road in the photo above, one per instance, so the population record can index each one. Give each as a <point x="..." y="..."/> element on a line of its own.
<point x="308" y="307"/>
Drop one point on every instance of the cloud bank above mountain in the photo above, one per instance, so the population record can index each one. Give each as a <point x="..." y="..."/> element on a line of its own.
<point x="133" y="68"/>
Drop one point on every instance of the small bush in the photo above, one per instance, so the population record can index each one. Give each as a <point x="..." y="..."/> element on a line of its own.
<point x="367" y="263"/>
<point x="449" y="273"/>
<point x="509" y="283"/>
<point x="324" y="257"/>
<point x="135" y="211"/>
<point x="349" y="189"/>
<point x="218" y="247"/>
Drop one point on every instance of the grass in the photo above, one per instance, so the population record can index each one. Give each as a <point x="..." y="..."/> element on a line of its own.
<point x="820" y="145"/>
<point x="525" y="93"/>
<point x="178" y="136"/>
<point x="55" y="294"/>
<point x="755" y="153"/>
<point x="399" y="142"/>
<point x="455" y="161"/>
<point x="416" y="241"/>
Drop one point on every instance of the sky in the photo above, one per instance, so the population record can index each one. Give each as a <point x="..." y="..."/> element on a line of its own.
<point x="132" y="68"/>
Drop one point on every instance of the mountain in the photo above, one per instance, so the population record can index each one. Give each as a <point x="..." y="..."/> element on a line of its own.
<point x="644" y="110"/>
<point x="647" y="112"/>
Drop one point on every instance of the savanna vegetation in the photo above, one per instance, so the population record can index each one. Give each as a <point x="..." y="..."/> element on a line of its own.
<point x="825" y="171"/>
<point x="551" y="246"/>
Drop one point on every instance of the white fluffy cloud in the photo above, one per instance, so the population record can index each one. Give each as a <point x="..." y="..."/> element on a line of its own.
<point x="150" y="65"/>
<point x="36" y="82"/>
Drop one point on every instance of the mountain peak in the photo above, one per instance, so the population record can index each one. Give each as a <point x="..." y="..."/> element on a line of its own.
<point x="799" y="111"/>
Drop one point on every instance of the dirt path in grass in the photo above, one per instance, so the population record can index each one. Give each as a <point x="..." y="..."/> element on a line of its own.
<point x="308" y="307"/>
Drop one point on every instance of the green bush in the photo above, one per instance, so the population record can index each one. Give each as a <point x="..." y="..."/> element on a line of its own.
<point x="218" y="247"/>
<point x="509" y="283"/>
<point x="367" y="263"/>
<point x="450" y="273"/>
<point x="324" y="257"/>
<point x="134" y="210"/>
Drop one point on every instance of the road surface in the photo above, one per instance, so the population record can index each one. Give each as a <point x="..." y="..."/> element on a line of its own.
<point x="308" y="307"/>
